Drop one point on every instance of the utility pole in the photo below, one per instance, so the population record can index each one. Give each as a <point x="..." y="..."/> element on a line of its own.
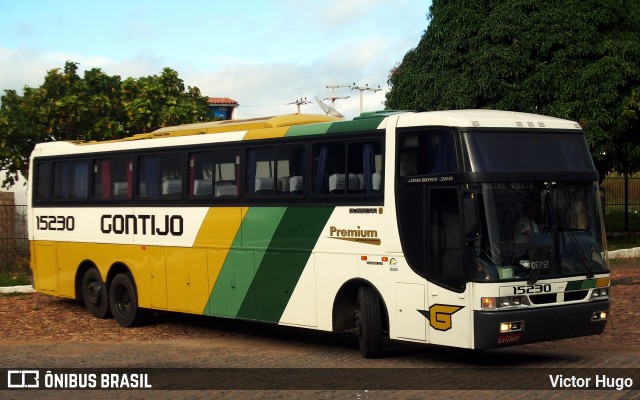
<point x="301" y="102"/>
<point x="362" y="89"/>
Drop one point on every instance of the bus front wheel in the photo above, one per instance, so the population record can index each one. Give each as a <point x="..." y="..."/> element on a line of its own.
<point x="369" y="321"/>
<point x="124" y="300"/>
<point x="95" y="294"/>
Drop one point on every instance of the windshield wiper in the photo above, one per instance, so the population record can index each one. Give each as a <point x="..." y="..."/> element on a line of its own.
<point x="583" y="258"/>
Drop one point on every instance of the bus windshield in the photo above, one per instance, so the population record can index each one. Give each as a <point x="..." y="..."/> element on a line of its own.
<point x="536" y="230"/>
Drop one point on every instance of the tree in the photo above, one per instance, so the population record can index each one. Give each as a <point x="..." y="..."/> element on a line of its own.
<point x="577" y="60"/>
<point x="627" y="158"/>
<point x="157" y="101"/>
<point x="94" y="107"/>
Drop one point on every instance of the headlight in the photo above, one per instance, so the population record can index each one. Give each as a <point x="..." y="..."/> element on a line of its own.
<point x="599" y="315"/>
<point x="599" y="293"/>
<point x="500" y="302"/>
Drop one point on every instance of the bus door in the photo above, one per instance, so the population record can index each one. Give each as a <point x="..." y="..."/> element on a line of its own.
<point x="448" y="295"/>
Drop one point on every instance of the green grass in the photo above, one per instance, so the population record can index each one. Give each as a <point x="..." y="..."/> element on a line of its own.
<point x="622" y="242"/>
<point x="14" y="280"/>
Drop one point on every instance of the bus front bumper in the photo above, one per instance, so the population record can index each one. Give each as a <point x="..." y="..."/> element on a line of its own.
<point x="509" y="328"/>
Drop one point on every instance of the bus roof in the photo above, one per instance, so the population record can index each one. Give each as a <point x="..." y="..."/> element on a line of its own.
<point x="484" y="118"/>
<point x="238" y="125"/>
<point x="307" y="124"/>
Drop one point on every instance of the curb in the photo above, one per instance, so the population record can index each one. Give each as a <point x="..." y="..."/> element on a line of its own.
<point x="17" y="289"/>
<point x="625" y="253"/>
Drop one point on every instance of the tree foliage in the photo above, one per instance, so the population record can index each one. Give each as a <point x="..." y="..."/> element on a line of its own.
<point x="93" y="107"/>
<point x="578" y="60"/>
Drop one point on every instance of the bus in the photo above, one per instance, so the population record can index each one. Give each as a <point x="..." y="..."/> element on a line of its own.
<point x="474" y="229"/>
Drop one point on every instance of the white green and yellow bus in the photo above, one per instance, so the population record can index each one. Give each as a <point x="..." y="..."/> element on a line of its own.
<point x="473" y="228"/>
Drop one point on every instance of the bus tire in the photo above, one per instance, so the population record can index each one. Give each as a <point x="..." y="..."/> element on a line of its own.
<point x="95" y="294"/>
<point x="369" y="323"/>
<point x="124" y="300"/>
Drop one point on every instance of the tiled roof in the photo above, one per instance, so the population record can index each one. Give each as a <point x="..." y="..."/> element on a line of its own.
<point x="222" y="100"/>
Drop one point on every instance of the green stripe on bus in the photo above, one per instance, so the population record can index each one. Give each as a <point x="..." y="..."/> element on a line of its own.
<point x="283" y="262"/>
<point x="578" y="285"/>
<point x="234" y="281"/>
<point x="313" y="129"/>
<point x="366" y="124"/>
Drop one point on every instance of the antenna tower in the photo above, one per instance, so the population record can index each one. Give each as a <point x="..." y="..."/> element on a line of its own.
<point x="362" y="89"/>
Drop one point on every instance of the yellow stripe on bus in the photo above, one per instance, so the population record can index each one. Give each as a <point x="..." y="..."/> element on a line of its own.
<point x="266" y="133"/>
<point x="217" y="232"/>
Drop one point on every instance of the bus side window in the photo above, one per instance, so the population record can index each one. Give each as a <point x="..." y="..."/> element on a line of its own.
<point x="289" y="165"/>
<point x="426" y="152"/>
<point x="112" y="178"/>
<point x="226" y="164"/>
<point x="260" y="171"/>
<point x="42" y="181"/>
<point x="329" y="164"/>
<point x="201" y="174"/>
<point x="351" y="168"/>
<point x="442" y="152"/>
<point x="71" y="180"/>
<point x="213" y="173"/>
<point x="160" y="176"/>
<point x="270" y="170"/>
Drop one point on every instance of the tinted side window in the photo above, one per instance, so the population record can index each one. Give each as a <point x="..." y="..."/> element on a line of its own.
<point x="213" y="173"/>
<point x="426" y="152"/>
<point x="71" y="180"/>
<point x="113" y="178"/>
<point x="42" y="178"/>
<point x="348" y="168"/>
<point x="160" y="176"/>
<point x="275" y="170"/>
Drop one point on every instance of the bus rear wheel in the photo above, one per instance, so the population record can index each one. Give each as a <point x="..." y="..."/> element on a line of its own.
<point x="124" y="300"/>
<point x="369" y="322"/>
<point x="95" y="294"/>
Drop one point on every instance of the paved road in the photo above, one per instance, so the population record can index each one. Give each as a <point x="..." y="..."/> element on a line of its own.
<point x="264" y="357"/>
<point x="239" y="360"/>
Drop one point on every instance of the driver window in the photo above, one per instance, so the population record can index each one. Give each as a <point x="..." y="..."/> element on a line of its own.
<point x="426" y="152"/>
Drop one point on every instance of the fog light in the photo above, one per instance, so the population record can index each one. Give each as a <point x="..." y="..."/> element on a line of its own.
<point x="511" y="326"/>
<point x="599" y="315"/>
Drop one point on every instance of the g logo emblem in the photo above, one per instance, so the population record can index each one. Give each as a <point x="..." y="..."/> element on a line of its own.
<point x="439" y="316"/>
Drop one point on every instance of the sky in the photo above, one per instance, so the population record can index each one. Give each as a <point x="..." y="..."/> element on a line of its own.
<point x="263" y="54"/>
